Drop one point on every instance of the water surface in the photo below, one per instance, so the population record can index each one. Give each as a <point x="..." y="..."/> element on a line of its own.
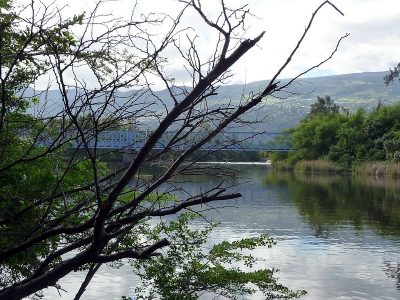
<point x="338" y="237"/>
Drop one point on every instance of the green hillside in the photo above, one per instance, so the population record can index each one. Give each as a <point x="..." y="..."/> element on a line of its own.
<point x="353" y="91"/>
<point x="280" y="112"/>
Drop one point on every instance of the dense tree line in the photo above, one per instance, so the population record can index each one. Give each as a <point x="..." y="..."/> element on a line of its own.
<point x="347" y="139"/>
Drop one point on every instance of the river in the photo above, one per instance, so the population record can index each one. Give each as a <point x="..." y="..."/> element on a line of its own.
<point x="337" y="237"/>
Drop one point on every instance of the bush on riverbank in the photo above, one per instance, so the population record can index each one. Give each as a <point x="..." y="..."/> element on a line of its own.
<point x="380" y="168"/>
<point x="377" y="168"/>
<point x="347" y="140"/>
<point x="308" y="166"/>
<point x="281" y="165"/>
<point x="317" y="167"/>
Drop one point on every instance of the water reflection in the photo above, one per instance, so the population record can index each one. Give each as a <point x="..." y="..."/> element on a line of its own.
<point x="329" y="202"/>
<point x="338" y="237"/>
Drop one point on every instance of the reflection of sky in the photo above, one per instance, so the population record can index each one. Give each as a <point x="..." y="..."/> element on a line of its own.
<point x="346" y="264"/>
<point x="109" y="283"/>
<point x="332" y="271"/>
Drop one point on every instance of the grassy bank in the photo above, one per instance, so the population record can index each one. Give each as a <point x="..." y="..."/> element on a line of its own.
<point x="282" y="165"/>
<point x="380" y="168"/>
<point x="309" y="166"/>
<point x="318" y="167"/>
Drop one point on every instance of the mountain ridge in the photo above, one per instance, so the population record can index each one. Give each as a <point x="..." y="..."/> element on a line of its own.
<point x="354" y="90"/>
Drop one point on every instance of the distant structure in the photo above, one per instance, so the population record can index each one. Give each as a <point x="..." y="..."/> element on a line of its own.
<point x="228" y="141"/>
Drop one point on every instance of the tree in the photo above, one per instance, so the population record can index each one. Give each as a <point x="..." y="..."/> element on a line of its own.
<point x="393" y="73"/>
<point x="314" y="137"/>
<point x="62" y="209"/>
<point x="353" y="143"/>
<point x="325" y="105"/>
<point x="348" y="139"/>
<point x="188" y="272"/>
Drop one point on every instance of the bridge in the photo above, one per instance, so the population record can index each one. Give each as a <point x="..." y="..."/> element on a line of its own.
<point x="227" y="141"/>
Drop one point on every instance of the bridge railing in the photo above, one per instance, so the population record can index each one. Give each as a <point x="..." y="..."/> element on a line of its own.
<point x="232" y="141"/>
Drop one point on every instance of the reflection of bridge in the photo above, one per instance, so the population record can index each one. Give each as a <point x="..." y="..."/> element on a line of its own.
<point x="229" y="141"/>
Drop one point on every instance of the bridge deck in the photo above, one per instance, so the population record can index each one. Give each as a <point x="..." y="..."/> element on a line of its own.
<point x="231" y="141"/>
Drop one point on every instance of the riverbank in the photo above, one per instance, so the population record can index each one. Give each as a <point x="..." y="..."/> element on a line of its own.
<point x="309" y="166"/>
<point x="245" y="163"/>
<point x="380" y="168"/>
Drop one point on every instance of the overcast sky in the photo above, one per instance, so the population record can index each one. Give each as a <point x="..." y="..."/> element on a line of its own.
<point x="373" y="44"/>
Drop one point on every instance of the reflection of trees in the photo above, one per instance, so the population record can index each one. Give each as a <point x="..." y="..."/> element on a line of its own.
<point x="326" y="202"/>
<point x="392" y="271"/>
<point x="322" y="230"/>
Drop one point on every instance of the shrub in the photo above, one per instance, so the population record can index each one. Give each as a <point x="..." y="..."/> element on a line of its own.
<point x="317" y="167"/>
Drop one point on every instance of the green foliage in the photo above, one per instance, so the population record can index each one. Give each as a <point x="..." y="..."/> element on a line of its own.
<point x="317" y="167"/>
<point x="381" y="168"/>
<point x="20" y="48"/>
<point x="314" y="136"/>
<point x="282" y="165"/>
<point x="22" y="190"/>
<point x="393" y="73"/>
<point x="60" y="209"/>
<point x="187" y="270"/>
<point x="324" y="105"/>
<point x="353" y="143"/>
<point x="30" y="174"/>
<point x="348" y="139"/>
<point x="276" y="156"/>
<point x="328" y="202"/>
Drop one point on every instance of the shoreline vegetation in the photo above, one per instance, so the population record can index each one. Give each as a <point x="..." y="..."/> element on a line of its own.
<point x="324" y="167"/>
<point x="380" y="168"/>
<point x="331" y="140"/>
<point x="308" y="166"/>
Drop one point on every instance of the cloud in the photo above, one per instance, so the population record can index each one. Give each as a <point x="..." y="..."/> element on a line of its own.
<point x="373" y="44"/>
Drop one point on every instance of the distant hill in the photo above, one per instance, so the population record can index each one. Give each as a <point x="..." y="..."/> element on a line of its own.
<point x="353" y="91"/>
<point x="358" y="90"/>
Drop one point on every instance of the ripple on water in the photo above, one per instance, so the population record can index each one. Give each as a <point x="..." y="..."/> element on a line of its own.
<point x="331" y="239"/>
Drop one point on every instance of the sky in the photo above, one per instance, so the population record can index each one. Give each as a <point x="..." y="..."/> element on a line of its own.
<point x="373" y="43"/>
